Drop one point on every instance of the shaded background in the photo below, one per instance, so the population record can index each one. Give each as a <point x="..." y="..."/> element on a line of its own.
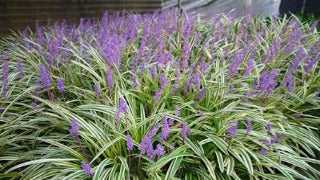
<point x="300" y="7"/>
<point x="17" y="14"/>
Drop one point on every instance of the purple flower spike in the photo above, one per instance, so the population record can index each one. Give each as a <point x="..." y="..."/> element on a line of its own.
<point x="314" y="26"/>
<point x="60" y="85"/>
<point x="173" y="144"/>
<point x="248" y="95"/>
<point x="297" y="116"/>
<point x="150" y="151"/>
<point x="249" y="67"/>
<point x="317" y="92"/>
<point x="197" y="80"/>
<point x="163" y="81"/>
<point x="176" y="83"/>
<point x="159" y="150"/>
<point x="49" y="58"/>
<point x="269" y="127"/>
<point x="153" y="72"/>
<point x="265" y="141"/>
<point x="171" y="122"/>
<point x="267" y="83"/>
<point x="123" y="105"/>
<point x="134" y="81"/>
<point x="5" y="74"/>
<point x="74" y="129"/>
<point x="153" y="130"/>
<point x="295" y="62"/>
<point x="20" y="68"/>
<point x="310" y="62"/>
<point x="249" y="126"/>
<point x="177" y="113"/>
<point x="233" y="129"/>
<point x="273" y="51"/>
<point x="34" y="106"/>
<point x="273" y="140"/>
<point x="109" y="78"/>
<point x="288" y="81"/>
<point x="96" y="90"/>
<point x="129" y="143"/>
<point x="263" y="152"/>
<point x="45" y="78"/>
<point x="146" y="144"/>
<point x="165" y="128"/>
<point x="163" y="85"/>
<point x="185" y="131"/>
<point x="231" y="88"/>
<point x="86" y="168"/>
<point x="236" y="61"/>
<point x="122" y="109"/>
<point x="187" y="85"/>
<point x="202" y="93"/>
<point x="203" y="67"/>
<point x="278" y="136"/>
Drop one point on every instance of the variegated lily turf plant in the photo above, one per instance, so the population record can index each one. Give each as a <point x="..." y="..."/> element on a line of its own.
<point x="161" y="96"/>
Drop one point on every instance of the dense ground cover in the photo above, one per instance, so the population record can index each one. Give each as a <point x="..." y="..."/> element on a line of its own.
<point x="158" y="97"/>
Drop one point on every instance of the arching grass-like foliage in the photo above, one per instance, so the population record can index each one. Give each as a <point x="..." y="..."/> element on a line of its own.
<point x="156" y="96"/>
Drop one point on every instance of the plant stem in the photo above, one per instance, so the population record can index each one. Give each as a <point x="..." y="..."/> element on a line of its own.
<point x="139" y="166"/>
<point x="129" y="159"/>
<point x="229" y="144"/>
<point x="83" y="152"/>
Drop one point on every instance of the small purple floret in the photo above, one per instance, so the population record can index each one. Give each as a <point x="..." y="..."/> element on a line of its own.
<point x="249" y="67"/>
<point x="201" y="94"/>
<point x="96" y="90"/>
<point x="177" y="112"/>
<point x="269" y="127"/>
<point x="34" y="106"/>
<point x="165" y="128"/>
<point x="233" y="129"/>
<point x="171" y="122"/>
<point x="185" y="131"/>
<point x="265" y="141"/>
<point x="109" y="78"/>
<point x="266" y="83"/>
<point x="159" y="151"/>
<point x="20" y="68"/>
<point x="86" y="168"/>
<point x="263" y="152"/>
<point x="121" y="109"/>
<point x="60" y="85"/>
<point x="129" y="143"/>
<point x="45" y="78"/>
<point x="74" y="129"/>
<point x="249" y="126"/>
<point x="197" y="80"/>
<point x="145" y="145"/>
<point x="278" y="136"/>
<point x="163" y="85"/>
